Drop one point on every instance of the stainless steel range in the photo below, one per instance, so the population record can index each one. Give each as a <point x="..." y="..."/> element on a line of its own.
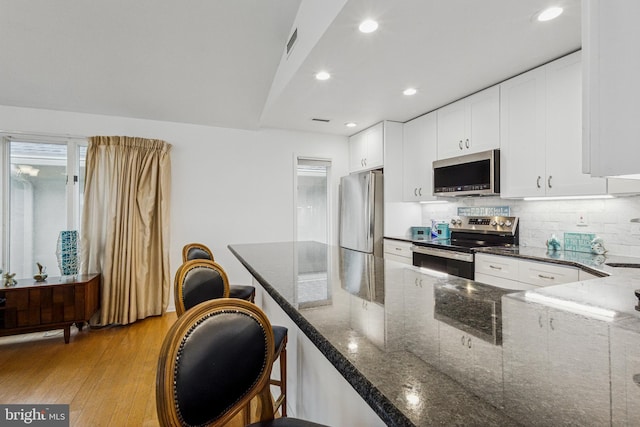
<point x="456" y="255"/>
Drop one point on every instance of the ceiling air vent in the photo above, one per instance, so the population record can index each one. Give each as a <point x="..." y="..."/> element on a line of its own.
<point x="292" y="40"/>
<point x="321" y="120"/>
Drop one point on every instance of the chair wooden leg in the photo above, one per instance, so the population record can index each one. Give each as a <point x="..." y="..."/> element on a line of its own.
<point x="281" y="401"/>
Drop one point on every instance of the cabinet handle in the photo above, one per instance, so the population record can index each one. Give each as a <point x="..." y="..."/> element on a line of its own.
<point x="549" y="181"/>
<point x="551" y="324"/>
<point x="398" y="249"/>
<point x="420" y="191"/>
<point x="538" y="181"/>
<point x="415" y="192"/>
<point x="636" y="379"/>
<point x="462" y="340"/>
<point x="469" y="342"/>
<point x="494" y="267"/>
<point x="542" y="276"/>
<point x="466" y="143"/>
<point x="460" y="144"/>
<point x="540" y="320"/>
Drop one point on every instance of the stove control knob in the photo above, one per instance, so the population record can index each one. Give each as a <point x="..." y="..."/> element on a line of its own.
<point x="508" y="223"/>
<point x="493" y="223"/>
<point x="501" y="223"/>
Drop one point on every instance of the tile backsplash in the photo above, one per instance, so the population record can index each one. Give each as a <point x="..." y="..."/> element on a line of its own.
<point x="606" y="218"/>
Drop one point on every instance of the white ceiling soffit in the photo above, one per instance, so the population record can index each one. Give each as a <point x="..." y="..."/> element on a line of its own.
<point x="444" y="49"/>
<point x="214" y="62"/>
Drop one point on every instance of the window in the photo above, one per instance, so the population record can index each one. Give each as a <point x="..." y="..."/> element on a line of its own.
<point x="313" y="200"/>
<point x="43" y="180"/>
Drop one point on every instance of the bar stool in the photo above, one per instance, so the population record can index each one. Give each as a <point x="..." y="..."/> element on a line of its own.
<point x="202" y="349"/>
<point x="192" y="251"/>
<point x="201" y="280"/>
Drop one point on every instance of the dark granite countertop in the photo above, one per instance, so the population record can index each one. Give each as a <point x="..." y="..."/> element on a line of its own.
<point x="378" y="322"/>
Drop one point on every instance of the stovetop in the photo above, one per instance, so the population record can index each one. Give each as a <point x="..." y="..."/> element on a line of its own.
<point x="468" y="233"/>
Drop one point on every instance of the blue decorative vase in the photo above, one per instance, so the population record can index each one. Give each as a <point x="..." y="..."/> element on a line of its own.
<point x="67" y="252"/>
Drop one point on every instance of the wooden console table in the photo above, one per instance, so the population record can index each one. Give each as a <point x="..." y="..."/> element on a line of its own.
<point x="56" y="303"/>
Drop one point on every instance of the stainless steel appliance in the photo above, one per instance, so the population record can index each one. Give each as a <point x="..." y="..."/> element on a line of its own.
<point x="475" y="174"/>
<point x="361" y="208"/>
<point x="471" y="307"/>
<point x="456" y="255"/>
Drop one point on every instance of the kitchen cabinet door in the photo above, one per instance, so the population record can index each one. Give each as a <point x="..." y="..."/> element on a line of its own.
<point x="482" y="127"/>
<point x="357" y="152"/>
<point x="546" y="274"/>
<point x="419" y="152"/>
<point x="610" y="34"/>
<point x="522" y="135"/>
<point x="470" y="125"/>
<point x="564" y="131"/>
<point x="366" y="149"/>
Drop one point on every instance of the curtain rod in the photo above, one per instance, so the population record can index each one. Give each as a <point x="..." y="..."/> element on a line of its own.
<point x="41" y="134"/>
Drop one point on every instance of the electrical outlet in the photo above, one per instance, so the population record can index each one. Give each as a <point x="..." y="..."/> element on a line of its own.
<point x="581" y="219"/>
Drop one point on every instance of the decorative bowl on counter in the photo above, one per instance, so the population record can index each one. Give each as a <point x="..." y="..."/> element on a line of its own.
<point x="40" y="277"/>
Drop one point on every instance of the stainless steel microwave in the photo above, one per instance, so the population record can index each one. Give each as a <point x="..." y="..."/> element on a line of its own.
<point x="475" y="174"/>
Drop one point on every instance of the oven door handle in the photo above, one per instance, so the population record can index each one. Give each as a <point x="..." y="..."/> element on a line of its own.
<point x="443" y="253"/>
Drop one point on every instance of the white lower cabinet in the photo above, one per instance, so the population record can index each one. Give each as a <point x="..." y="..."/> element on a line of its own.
<point x="519" y="274"/>
<point x="545" y="274"/>
<point x="556" y="366"/>
<point x="398" y="250"/>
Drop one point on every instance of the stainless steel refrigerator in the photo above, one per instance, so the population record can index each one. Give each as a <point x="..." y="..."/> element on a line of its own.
<point x="361" y="210"/>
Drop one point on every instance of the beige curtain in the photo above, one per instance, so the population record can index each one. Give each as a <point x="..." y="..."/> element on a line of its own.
<point x="125" y="226"/>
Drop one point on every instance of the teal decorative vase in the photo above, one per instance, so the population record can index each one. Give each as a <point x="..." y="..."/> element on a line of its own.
<point x="67" y="252"/>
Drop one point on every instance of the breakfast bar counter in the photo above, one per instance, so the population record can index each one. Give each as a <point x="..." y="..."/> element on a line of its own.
<point x="418" y="348"/>
<point x="374" y="321"/>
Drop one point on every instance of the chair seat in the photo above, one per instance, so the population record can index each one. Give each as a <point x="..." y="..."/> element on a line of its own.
<point x="279" y="335"/>
<point x="244" y="292"/>
<point x="286" y="422"/>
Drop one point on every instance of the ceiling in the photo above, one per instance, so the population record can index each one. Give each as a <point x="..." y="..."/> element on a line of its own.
<point x="215" y="62"/>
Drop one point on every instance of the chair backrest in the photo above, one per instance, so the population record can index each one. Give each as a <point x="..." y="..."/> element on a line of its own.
<point x="196" y="251"/>
<point x="213" y="361"/>
<point x="197" y="281"/>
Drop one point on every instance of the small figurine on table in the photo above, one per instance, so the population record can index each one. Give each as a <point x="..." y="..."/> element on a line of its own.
<point x="9" y="280"/>
<point x="41" y="276"/>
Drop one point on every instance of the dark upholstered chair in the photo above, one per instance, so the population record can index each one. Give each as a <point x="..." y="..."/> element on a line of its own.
<point x="192" y="251"/>
<point x="201" y="280"/>
<point x="197" y="281"/>
<point x="198" y="381"/>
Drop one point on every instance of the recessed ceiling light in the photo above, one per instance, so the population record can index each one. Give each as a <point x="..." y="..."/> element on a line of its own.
<point x="409" y="91"/>
<point x="550" y="13"/>
<point x="368" y="26"/>
<point x="351" y="125"/>
<point x="323" y="75"/>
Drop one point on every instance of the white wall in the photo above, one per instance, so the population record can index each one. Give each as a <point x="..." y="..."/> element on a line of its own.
<point x="607" y="218"/>
<point x="228" y="185"/>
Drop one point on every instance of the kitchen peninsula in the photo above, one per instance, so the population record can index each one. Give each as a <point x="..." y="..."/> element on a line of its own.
<point x="420" y="348"/>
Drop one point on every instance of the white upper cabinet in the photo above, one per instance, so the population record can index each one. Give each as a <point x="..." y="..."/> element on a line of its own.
<point x="470" y="125"/>
<point x="541" y="128"/>
<point x="366" y="149"/>
<point x="419" y="152"/>
<point x="564" y="131"/>
<point x="522" y="148"/>
<point x="610" y="34"/>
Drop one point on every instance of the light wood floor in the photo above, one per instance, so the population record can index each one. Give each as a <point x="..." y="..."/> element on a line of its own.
<point x="107" y="376"/>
